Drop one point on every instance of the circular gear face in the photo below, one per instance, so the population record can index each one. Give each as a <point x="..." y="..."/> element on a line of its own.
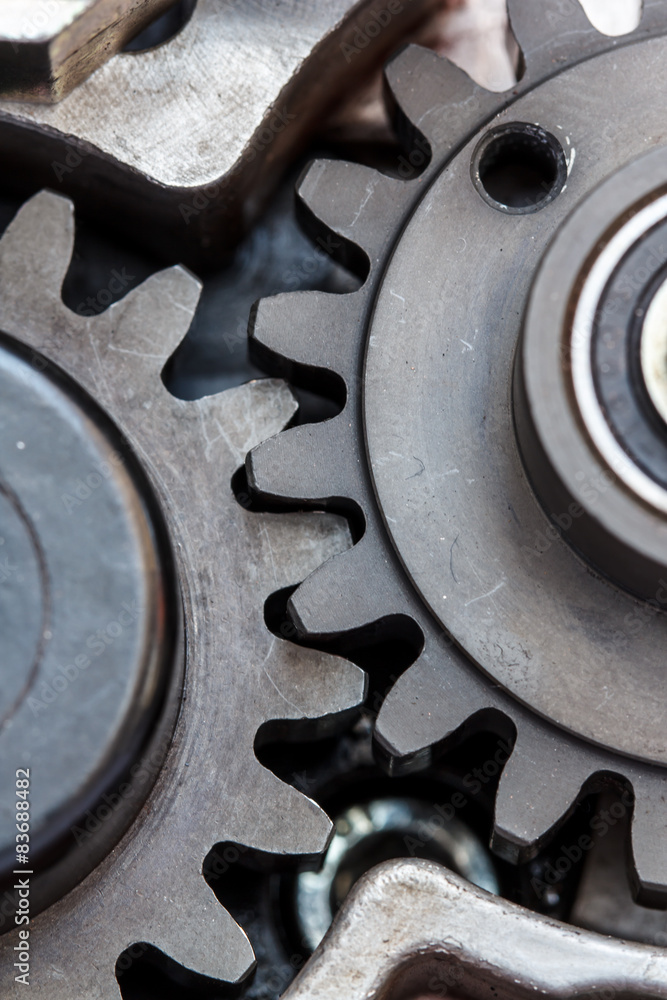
<point x="528" y="558"/>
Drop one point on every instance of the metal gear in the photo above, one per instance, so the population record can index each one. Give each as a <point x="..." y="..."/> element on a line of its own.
<point x="482" y="544"/>
<point x="134" y="804"/>
<point x="199" y="164"/>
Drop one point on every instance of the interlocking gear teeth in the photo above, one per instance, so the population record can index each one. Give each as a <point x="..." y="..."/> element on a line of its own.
<point x="306" y="457"/>
<point x="523" y="823"/>
<point x="337" y="598"/>
<point x="437" y="698"/>
<point x="442" y="697"/>
<point x="150" y="888"/>
<point x="343" y="197"/>
<point x="283" y="331"/>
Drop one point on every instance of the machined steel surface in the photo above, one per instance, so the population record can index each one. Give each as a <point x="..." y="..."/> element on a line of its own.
<point x="420" y="388"/>
<point x="195" y="133"/>
<point x="208" y="785"/>
<point x="47" y="48"/>
<point x="425" y="446"/>
<point x="412" y="929"/>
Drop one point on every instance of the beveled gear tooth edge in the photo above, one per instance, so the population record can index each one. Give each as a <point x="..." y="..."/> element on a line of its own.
<point x="337" y="598"/>
<point x="173" y="295"/>
<point x="38" y="256"/>
<point x="341" y="203"/>
<point x="538" y="759"/>
<point x="282" y="332"/>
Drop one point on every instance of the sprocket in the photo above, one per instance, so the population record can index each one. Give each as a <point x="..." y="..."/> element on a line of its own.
<point x="139" y="734"/>
<point x="478" y="536"/>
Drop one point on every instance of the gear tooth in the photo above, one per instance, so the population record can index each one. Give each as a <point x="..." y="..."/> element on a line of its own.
<point x="312" y="685"/>
<point x="346" y="593"/>
<point x="212" y="945"/>
<point x="299" y="544"/>
<point x="426" y="706"/>
<point x="300" y="464"/>
<point x="291" y="823"/>
<point x="540" y="785"/>
<point x="649" y="838"/>
<point x="151" y="321"/>
<point x="653" y="18"/>
<point x="303" y="329"/>
<point x="355" y="203"/>
<point x="27" y="272"/>
<point x="424" y="85"/>
<point x="546" y="33"/>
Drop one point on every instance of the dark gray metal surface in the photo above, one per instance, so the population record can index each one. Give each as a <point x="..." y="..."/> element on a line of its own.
<point x="461" y="266"/>
<point x="212" y="787"/>
<point x="454" y="496"/>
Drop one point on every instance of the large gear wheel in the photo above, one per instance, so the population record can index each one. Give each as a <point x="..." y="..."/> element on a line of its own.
<point x="495" y="504"/>
<point x="137" y="670"/>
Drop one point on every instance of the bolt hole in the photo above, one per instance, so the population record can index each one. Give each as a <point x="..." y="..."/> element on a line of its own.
<point x="163" y="28"/>
<point x="519" y="168"/>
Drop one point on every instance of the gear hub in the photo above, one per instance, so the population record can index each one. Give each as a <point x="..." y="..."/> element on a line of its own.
<point x="137" y="765"/>
<point x="92" y="651"/>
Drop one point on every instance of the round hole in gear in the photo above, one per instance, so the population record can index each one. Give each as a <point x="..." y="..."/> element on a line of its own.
<point x="519" y="168"/>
